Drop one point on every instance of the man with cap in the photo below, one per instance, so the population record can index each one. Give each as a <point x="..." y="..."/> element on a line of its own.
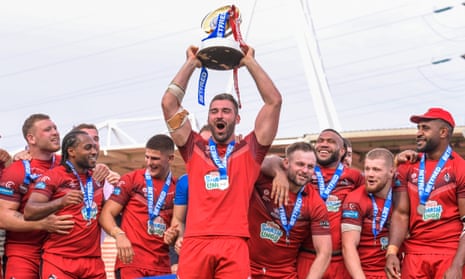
<point x="429" y="205"/>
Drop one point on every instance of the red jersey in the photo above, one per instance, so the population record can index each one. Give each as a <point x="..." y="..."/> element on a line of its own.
<point x="84" y="239"/>
<point x="218" y="210"/>
<point x="357" y="210"/>
<point x="350" y="179"/>
<point x="440" y="225"/>
<point x="267" y="244"/>
<point x="13" y="189"/>
<point x="149" y="249"/>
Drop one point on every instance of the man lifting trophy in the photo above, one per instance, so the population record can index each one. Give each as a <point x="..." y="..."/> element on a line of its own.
<point x="219" y="51"/>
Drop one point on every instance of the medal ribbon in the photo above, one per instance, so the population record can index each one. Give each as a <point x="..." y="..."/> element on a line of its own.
<point x="31" y="177"/>
<point x="425" y="191"/>
<point x="219" y="32"/>
<point x="234" y="23"/>
<point x="88" y="190"/>
<point x="155" y="211"/>
<point x="221" y="164"/>
<point x="295" y="214"/>
<point x="384" y="213"/>
<point x="325" y="190"/>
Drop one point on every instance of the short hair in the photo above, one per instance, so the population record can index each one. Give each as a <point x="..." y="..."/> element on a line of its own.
<point x="300" y="145"/>
<point x="228" y="97"/>
<point x="205" y="128"/>
<point x="381" y="153"/>
<point x="161" y="142"/>
<point x="70" y="140"/>
<point x="85" y="126"/>
<point x="31" y="120"/>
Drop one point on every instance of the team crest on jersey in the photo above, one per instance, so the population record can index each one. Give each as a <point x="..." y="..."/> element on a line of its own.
<point x="433" y="211"/>
<point x="271" y="231"/>
<point x="333" y="203"/>
<point x="384" y="242"/>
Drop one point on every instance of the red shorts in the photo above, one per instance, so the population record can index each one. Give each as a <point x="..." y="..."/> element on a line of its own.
<point x="426" y="265"/>
<point x="335" y="270"/>
<point x="219" y="257"/>
<point x="20" y="267"/>
<point x="55" y="266"/>
<point x="131" y="272"/>
<point x="285" y="272"/>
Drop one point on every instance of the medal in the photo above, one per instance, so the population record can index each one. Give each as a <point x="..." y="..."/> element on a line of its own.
<point x="421" y="209"/>
<point x="223" y="184"/>
<point x="150" y="227"/>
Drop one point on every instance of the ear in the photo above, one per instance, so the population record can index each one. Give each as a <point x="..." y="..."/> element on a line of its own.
<point x="30" y="139"/>
<point x="71" y="152"/>
<point x="286" y="163"/>
<point x="238" y="119"/>
<point x="443" y="132"/>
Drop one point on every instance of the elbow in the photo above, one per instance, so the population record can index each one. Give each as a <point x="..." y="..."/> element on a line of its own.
<point x="28" y="213"/>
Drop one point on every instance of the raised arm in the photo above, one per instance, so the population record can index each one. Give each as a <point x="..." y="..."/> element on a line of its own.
<point x="175" y="115"/>
<point x="266" y="123"/>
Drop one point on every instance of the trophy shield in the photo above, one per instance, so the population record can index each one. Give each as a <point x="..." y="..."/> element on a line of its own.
<point x="219" y="51"/>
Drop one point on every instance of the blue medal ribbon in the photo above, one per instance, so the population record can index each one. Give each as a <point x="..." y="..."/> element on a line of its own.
<point x="221" y="164"/>
<point x="294" y="215"/>
<point x="155" y="211"/>
<point x="219" y="32"/>
<point x="325" y="190"/>
<point x="384" y="213"/>
<point x="30" y="177"/>
<point x="425" y="191"/>
<point x="88" y="190"/>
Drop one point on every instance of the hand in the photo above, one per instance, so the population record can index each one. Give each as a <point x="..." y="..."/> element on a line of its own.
<point x="113" y="177"/>
<point x="280" y="188"/>
<point x="454" y="272"/>
<point x="72" y="197"/>
<point x="174" y="268"/>
<point x="124" y="247"/>
<point x="191" y="56"/>
<point x="392" y="267"/>
<point x="406" y="156"/>
<point x="171" y="234"/>
<point x="61" y="224"/>
<point x="249" y="56"/>
<point x="22" y="155"/>
<point x="101" y="171"/>
<point x="4" y="156"/>
<point x="178" y="245"/>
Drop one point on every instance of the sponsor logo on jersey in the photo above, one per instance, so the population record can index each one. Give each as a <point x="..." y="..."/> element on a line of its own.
<point x="270" y="231"/>
<point x="350" y="214"/>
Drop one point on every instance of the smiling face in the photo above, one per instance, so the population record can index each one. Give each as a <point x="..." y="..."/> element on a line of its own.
<point x="158" y="163"/>
<point x="222" y="118"/>
<point x="299" y="166"/>
<point x="83" y="155"/>
<point x="329" y="149"/>
<point x="44" y="136"/>
<point x="429" y="135"/>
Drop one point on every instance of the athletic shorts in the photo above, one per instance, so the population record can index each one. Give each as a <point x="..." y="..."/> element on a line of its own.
<point x="219" y="257"/>
<point x="55" y="266"/>
<point x="426" y="265"/>
<point x="19" y="267"/>
<point x="335" y="270"/>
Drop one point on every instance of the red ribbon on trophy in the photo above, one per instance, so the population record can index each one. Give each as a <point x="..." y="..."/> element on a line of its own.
<point x="217" y="51"/>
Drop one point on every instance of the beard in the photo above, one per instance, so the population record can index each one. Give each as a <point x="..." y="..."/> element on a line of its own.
<point x="428" y="146"/>
<point x="331" y="159"/>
